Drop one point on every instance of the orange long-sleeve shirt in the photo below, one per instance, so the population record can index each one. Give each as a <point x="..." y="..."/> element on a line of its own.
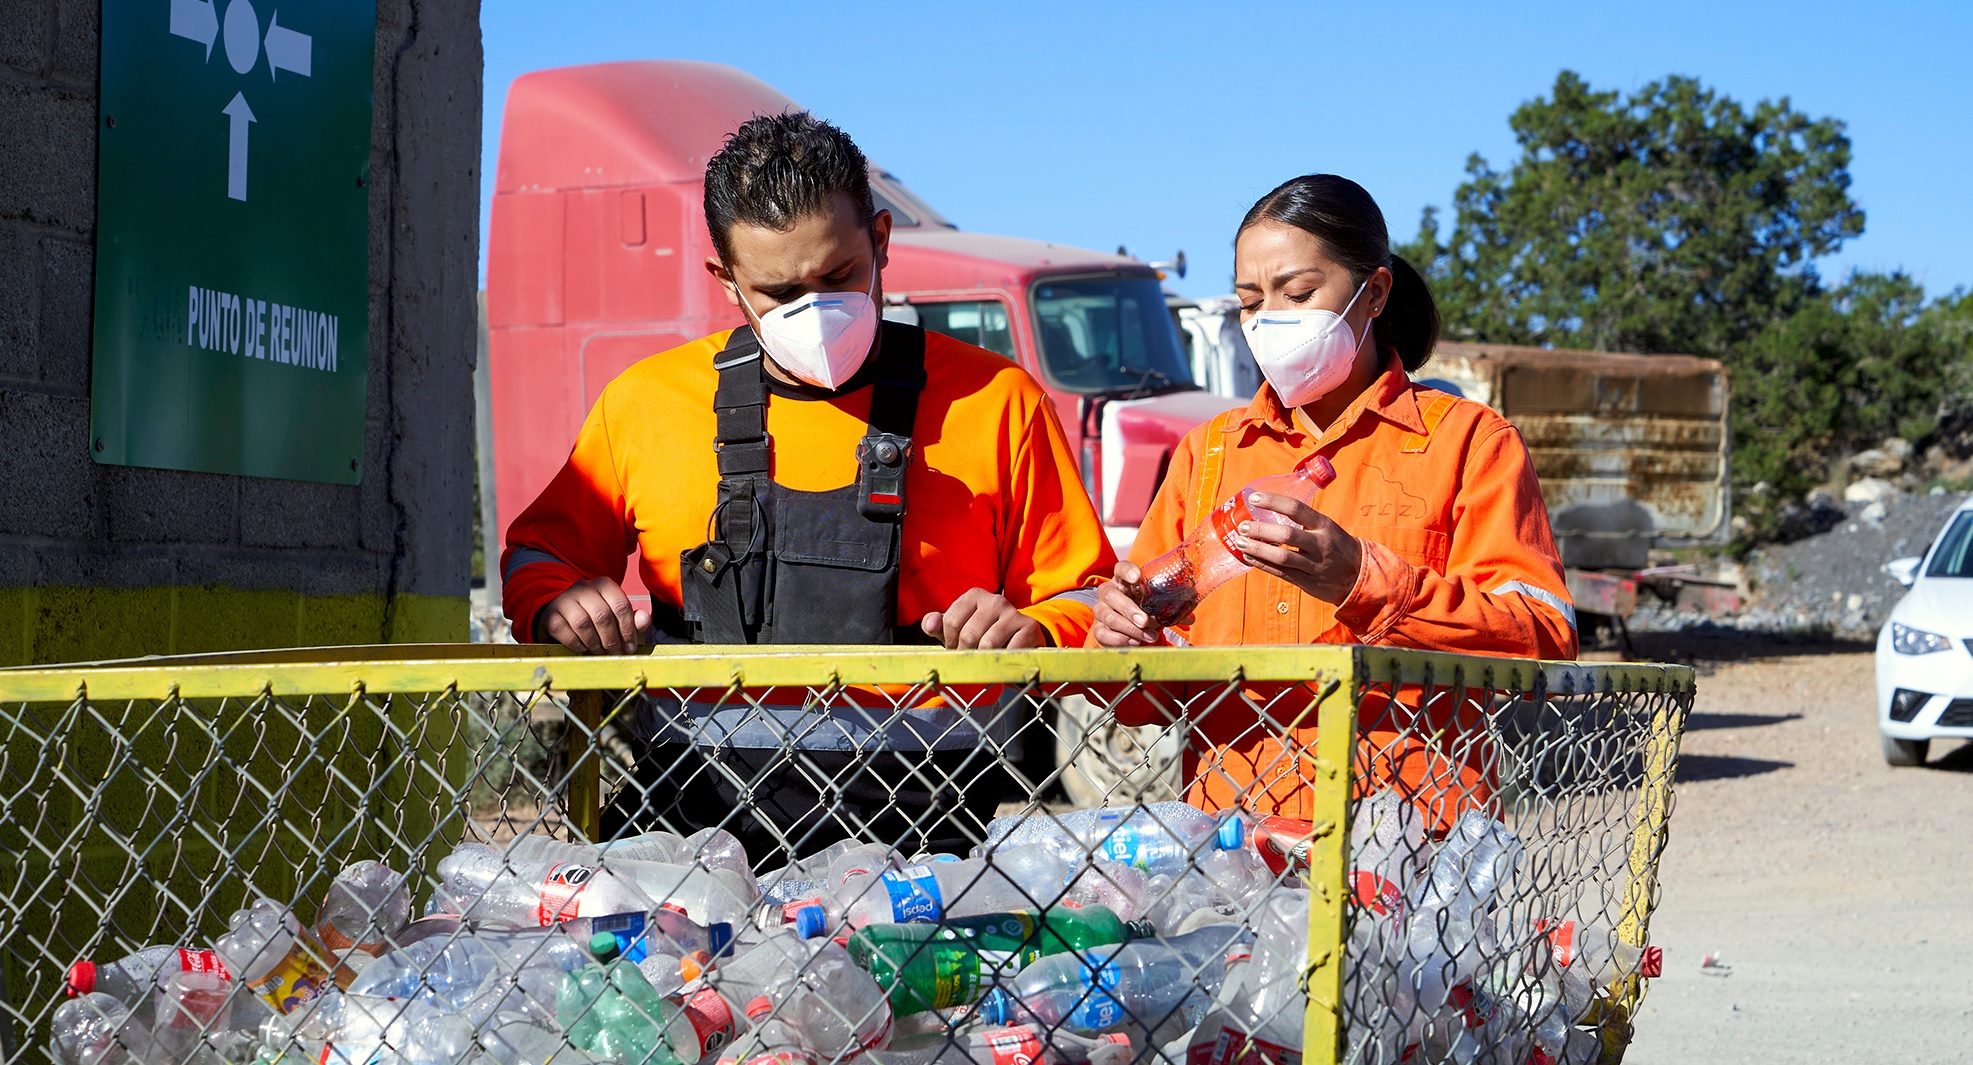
<point x="1457" y="556"/>
<point x="993" y="496"/>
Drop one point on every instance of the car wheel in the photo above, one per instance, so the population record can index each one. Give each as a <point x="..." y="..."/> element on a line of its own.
<point x="1904" y="752"/>
<point x="1107" y="764"/>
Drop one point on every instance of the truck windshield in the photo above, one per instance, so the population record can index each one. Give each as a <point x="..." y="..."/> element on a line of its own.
<point x="1108" y="334"/>
<point x="1954" y="558"/>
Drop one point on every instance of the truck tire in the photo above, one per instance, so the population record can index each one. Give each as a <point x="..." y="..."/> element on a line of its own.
<point x="1904" y="753"/>
<point x="1107" y="764"/>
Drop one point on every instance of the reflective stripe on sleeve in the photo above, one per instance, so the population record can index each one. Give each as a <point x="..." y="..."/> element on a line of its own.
<point x="1561" y="605"/>
<point x="1085" y="596"/>
<point x="526" y="556"/>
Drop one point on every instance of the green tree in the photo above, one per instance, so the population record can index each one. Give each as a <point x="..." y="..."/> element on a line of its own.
<point x="1677" y="220"/>
<point x="1673" y="220"/>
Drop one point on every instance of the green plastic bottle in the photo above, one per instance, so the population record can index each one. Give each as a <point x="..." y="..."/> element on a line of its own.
<point x="610" y="1010"/>
<point x="937" y="966"/>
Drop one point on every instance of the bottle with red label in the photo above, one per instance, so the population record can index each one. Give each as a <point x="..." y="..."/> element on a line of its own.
<point x="1177" y="580"/>
<point x="129" y="980"/>
<point x="496" y="890"/>
<point x="1597" y="953"/>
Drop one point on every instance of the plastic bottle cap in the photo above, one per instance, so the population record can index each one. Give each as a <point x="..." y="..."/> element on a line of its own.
<point x="759" y="1008"/>
<point x="82" y="978"/>
<point x="810" y="922"/>
<point x="604" y="946"/>
<point x="1653" y="964"/>
<point x="1232" y="833"/>
<point x="996" y="1007"/>
<point x="1118" y="1038"/>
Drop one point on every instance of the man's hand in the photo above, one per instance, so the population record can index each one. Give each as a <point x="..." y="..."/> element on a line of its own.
<point x="1120" y="617"/>
<point x="984" y="620"/>
<point x="1319" y="557"/>
<point x="593" y="617"/>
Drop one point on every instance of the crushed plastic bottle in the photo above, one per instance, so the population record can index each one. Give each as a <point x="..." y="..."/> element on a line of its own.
<point x="131" y="980"/>
<point x="269" y="951"/>
<point x="1176" y="581"/>
<point x="1010" y="879"/>
<point x="1597" y="953"/>
<point x="812" y="985"/>
<point x="366" y="908"/>
<point x="1153" y="983"/>
<point x="496" y="891"/>
<point x="709" y="849"/>
<point x="1164" y="837"/>
<point x="96" y="1029"/>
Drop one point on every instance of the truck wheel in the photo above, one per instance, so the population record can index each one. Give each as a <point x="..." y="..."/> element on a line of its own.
<point x="1904" y="753"/>
<point x="1104" y="763"/>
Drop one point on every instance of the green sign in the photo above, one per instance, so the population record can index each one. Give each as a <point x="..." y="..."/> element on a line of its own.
<point x="232" y="236"/>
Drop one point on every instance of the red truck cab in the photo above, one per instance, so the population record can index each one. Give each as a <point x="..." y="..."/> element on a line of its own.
<point x="595" y="261"/>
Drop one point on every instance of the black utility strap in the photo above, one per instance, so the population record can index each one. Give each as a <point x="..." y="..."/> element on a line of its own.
<point x="900" y="379"/>
<point x="741" y="406"/>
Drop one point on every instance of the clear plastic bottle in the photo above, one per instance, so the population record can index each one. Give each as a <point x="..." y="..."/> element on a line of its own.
<point x="497" y="891"/>
<point x="708" y="848"/>
<point x="1006" y="880"/>
<point x="131" y="980"/>
<point x="269" y="951"/>
<point x="610" y="1010"/>
<point x="1163" y="837"/>
<point x="1387" y="847"/>
<point x="95" y="1029"/>
<point x="1219" y="1038"/>
<point x="367" y="906"/>
<point x="1153" y="983"/>
<point x="195" y="1014"/>
<point x="1597" y="953"/>
<point x="1177" y="580"/>
<point x="812" y="985"/>
<point x="1276" y="1005"/>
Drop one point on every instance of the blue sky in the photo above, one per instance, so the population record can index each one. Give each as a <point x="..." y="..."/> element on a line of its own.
<point x="1155" y="125"/>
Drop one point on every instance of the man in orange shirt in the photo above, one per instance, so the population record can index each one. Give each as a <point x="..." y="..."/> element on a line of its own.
<point x="817" y="476"/>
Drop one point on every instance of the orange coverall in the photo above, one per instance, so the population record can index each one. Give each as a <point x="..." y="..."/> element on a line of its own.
<point x="1457" y="556"/>
<point x="993" y="496"/>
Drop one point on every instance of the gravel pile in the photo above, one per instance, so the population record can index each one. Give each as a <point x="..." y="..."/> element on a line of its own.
<point x="1830" y="585"/>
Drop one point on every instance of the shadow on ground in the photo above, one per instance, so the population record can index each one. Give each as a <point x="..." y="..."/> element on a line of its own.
<point x="1697" y="721"/>
<point x="1959" y="761"/>
<point x="1693" y="767"/>
<point x="1705" y="649"/>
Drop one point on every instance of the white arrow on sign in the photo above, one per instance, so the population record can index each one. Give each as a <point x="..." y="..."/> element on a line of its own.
<point x="286" y="49"/>
<point x="196" y="20"/>
<point x="236" y="157"/>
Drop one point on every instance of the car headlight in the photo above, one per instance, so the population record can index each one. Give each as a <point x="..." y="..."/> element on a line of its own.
<point x="1906" y="640"/>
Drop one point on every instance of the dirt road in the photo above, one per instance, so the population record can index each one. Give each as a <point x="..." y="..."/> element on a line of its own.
<point x="1839" y="891"/>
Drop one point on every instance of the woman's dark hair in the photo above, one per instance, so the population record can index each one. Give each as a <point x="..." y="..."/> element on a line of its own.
<point x="777" y="169"/>
<point x="1338" y="212"/>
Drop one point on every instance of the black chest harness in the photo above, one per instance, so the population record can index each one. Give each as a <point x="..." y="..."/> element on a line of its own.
<point x="782" y="566"/>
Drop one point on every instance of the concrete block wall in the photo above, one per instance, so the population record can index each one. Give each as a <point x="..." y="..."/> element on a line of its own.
<point x="109" y="562"/>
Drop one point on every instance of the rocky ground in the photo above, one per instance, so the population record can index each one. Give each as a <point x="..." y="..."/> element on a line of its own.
<point x="1830" y="585"/>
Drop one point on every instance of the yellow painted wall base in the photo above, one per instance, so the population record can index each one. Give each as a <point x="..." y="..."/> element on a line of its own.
<point x="65" y="624"/>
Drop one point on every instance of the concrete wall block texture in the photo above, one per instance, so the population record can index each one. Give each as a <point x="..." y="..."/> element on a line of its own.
<point x="25" y="29"/>
<point x="297" y="514"/>
<point x="19" y="347"/>
<point x="68" y="289"/>
<point x="100" y="565"/>
<point x="51" y="487"/>
<point x="170" y="506"/>
<point x="48" y="172"/>
<point x="78" y="38"/>
<point x="313" y="573"/>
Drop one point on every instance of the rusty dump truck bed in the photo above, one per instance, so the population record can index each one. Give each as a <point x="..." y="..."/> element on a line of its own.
<point x="1631" y="449"/>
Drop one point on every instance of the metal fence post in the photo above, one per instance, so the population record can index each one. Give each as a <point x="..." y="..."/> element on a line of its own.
<point x="1329" y="855"/>
<point x="585" y="796"/>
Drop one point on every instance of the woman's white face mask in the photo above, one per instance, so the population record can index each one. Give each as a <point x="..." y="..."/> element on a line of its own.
<point x="1305" y="355"/>
<point x="822" y="338"/>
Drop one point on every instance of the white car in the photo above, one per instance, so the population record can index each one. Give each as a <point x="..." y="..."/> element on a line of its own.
<point x="1925" y="653"/>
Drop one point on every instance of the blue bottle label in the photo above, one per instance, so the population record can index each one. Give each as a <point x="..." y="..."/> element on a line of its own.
<point x="628" y="930"/>
<point x="1097" y="1010"/>
<point x="914" y="895"/>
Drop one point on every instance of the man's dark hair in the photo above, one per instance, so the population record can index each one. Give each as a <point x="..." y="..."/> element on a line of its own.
<point x="776" y="169"/>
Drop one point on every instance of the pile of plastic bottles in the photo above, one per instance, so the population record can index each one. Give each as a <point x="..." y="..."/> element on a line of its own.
<point x="1098" y="936"/>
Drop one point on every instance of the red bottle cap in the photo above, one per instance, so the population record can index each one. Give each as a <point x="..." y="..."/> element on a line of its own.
<point x="82" y="978"/>
<point x="1653" y="964"/>
<point x="1317" y="468"/>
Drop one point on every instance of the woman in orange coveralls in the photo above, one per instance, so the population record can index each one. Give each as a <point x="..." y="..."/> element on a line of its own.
<point x="1433" y="534"/>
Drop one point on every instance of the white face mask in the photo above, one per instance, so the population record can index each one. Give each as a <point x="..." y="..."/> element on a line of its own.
<point x="822" y="338"/>
<point x="1305" y="354"/>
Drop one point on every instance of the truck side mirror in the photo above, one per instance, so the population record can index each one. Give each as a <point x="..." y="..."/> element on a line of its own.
<point x="1903" y="570"/>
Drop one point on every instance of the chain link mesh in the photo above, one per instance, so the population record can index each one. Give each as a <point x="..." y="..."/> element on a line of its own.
<point x="1465" y="875"/>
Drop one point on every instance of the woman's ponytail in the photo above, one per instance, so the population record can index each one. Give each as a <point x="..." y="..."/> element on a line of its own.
<point x="1338" y="212"/>
<point x="1410" y="322"/>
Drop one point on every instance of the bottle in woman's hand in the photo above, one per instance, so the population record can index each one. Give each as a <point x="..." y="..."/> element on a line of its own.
<point x="1176" y="581"/>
